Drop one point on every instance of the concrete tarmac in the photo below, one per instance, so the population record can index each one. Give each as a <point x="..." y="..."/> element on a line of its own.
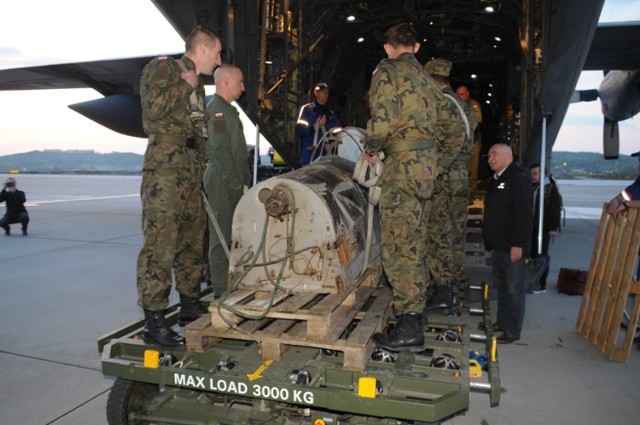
<point x="72" y="280"/>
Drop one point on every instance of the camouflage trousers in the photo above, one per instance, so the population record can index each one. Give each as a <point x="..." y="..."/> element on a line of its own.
<point x="173" y="226"/>
<point x="460" y="194"/>
<point x="404" y="215"/>
<point x="446" y="227"/>
<point x="439" y="235"/>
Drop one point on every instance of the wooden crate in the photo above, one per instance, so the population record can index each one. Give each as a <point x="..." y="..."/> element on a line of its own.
<point x="609" y="285"/>
<point x="345" y="326"/>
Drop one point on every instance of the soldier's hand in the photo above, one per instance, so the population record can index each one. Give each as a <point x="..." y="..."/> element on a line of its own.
<point x="190" y="77"/>
<point x="371" y="159"/>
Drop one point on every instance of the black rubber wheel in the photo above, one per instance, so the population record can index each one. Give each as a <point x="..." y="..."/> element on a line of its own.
<point x="128" y="397"/>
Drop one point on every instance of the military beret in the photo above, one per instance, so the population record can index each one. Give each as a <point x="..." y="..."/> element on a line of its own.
<point x="441" y="67"/>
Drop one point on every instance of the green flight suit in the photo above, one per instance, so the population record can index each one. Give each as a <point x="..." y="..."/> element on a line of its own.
<point x="225" y="177"/>
<point x="173" y="215"/>
<point x="403" y="112"/>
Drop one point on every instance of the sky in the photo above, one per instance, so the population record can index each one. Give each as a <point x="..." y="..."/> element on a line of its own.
<point x="40" y="32"/>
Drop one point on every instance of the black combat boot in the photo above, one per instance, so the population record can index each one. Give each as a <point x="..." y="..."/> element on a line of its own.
<point x="158" y="331"/>
<point x="406" y="336"/>
<point x="190" y="310"/>
<point x="442" y="299"/>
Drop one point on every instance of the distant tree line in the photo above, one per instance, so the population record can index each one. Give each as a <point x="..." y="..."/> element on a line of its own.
<point x="71" y="161"/>
<point x="563" y="164"/>
<point x="593" y="165"/>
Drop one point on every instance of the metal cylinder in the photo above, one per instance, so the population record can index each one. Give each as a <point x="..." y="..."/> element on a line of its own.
<point x="307" y="226"/>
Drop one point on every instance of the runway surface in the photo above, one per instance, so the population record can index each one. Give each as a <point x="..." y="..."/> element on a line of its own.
<point x="72" y="280"/>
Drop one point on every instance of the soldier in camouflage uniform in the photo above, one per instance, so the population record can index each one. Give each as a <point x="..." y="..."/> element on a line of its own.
<point x="227" y="173"/>
<point x="173" y="214"/>
<point x="402" y="126"/>
<point x="451" y="196"/>
<point x="462" y="181"/>
<point x="463" y="93"/>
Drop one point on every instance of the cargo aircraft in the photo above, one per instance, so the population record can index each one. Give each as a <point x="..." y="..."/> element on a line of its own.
<point x="519" y="55"/>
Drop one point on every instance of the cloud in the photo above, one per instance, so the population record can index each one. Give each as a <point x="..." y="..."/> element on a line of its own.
<point x="620" y="11"/>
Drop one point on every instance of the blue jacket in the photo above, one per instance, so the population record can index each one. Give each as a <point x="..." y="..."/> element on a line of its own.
<point x="307" y="117"/>
<point x="633" y="190"/>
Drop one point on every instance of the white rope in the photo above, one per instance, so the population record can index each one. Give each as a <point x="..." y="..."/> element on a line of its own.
<point x="462" y="114"/>
<point x="318" y="144"/>
<point x="367" y="174"/>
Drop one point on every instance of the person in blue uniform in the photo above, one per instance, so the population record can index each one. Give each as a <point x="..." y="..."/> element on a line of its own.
<point x="314" y="121"/>
<point x="628" y="198"/>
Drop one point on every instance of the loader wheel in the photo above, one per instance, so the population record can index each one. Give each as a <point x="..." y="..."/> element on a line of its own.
<point x="128" y="397"/>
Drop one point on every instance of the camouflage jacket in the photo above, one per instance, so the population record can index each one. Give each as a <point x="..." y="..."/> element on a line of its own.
<point x="404" y="101"/>
<point x="166" y="108"/>
<point x="463" y="162"/>
<point x="450" y="132"/>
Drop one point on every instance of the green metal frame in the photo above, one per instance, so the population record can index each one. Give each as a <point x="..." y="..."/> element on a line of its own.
<point x="195" y="387"/>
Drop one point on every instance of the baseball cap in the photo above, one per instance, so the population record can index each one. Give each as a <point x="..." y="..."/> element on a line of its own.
<point x="321" y="87"/>
<point x="441" y="67"/>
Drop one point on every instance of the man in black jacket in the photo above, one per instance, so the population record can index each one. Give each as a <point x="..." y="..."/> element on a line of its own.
<point x="550" y="220"/>
<point x="16" y="212"/>
<point x="508" y="216"/>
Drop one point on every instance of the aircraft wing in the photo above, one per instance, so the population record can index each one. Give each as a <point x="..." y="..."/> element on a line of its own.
<point x="615" y="46"/>
<point x="117" y="80"/>
<point x="614" y="50"/>
<point x="107" y="77"/>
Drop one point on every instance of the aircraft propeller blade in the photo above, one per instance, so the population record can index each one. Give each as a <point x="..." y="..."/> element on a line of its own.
<point x="611" y="139"/>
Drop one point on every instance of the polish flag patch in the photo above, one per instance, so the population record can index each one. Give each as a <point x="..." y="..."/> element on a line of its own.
<point x="219" y="115"/>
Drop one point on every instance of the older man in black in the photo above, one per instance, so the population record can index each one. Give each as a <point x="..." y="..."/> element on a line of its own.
<point x="508" y="217"/>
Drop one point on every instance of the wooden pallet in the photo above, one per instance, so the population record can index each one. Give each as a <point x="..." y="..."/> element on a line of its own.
<point x="322" y="312"/>
<point x="609" y="285"/>
<point x="364" y="311"/>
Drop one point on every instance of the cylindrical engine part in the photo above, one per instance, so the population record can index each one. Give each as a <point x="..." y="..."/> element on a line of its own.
<point x="306" y="228"/>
